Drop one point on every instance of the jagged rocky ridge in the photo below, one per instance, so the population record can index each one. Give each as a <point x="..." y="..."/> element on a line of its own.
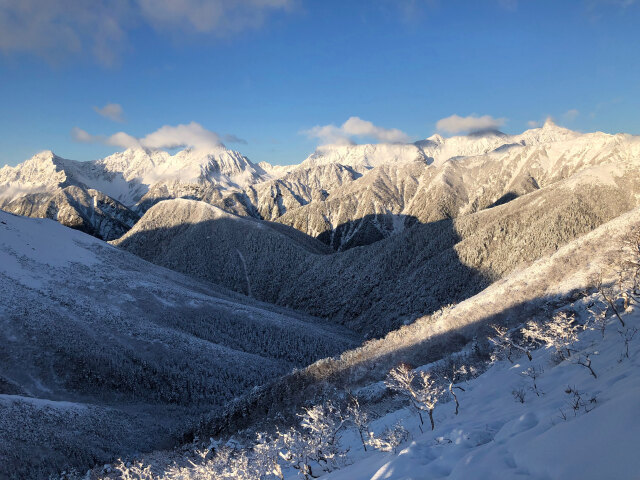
<point x="343" y="195"/>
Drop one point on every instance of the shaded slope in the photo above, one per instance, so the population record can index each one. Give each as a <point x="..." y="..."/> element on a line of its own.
<point x="249" y="256"/>
<point x="132" y="345"/>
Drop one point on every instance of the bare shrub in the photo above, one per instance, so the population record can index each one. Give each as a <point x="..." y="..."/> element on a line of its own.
<point x="423" y="391"/>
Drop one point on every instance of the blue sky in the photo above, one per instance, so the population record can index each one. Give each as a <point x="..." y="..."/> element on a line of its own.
<point x="267" y="71"/>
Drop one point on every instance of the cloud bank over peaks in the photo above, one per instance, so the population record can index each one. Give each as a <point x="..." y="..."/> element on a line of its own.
<point x="355" y="128"/>
<point x="192" y="135"/>
<point x="456" y="124"/>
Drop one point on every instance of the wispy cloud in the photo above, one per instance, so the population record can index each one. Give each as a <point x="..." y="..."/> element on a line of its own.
<point x="112" y="111"/>
<point x="472" y="123"/>
<point x="231" y="138"/>
<point x="219" y="17"/>
<point x="570" y="115"/>
<point x="354" y="128"/>
<point x="534" y="124"/>
<point x="179" y="136"/>
<point x="56" y="29"/>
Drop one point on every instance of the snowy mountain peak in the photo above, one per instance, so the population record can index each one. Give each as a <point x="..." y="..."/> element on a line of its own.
<point x="548" y="133"/>
<point x="42" y="172"/>
<point x="364" y="156"/>
<point x="436" y="138"/>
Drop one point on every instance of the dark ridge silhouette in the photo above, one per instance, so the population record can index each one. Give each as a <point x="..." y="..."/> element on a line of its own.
<point x="371" y="289"/>
<point x="506" y="198"/>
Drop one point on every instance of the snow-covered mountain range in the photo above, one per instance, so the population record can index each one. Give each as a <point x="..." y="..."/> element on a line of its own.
<point x="129" y="182"/>
<point x="260" y="269"/>
<point x="343" y="195"/>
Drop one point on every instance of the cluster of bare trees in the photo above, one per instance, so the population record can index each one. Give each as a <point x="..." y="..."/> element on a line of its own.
<point x="560" y="333"/>
<point x="312" y="448"/>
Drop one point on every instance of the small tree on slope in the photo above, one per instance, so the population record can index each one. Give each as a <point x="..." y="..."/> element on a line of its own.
<point x="560" y="333"/>
<point x="423" y="394"/>
<point x="360" y="419"/>
<point x="505" y="344"/>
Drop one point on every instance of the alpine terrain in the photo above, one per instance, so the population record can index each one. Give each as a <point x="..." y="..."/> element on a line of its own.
<point x="232" y="299"/>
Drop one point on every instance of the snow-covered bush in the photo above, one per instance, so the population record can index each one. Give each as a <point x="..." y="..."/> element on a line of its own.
<point x="134" y="471"/>
<point x="423" y="391"/>
<point x="323" y="424"/>
<point x="359" y="418"/>
<point x="560" y="333"/>
<point x="534" y="373"/>
<point x="391" y="438"/>
<point x="296" y="450"/>
<point x="266" y="454"/>
<point x="504" y="344"/>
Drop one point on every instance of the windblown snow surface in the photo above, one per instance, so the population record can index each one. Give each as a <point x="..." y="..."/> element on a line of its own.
<point x="496" y="436"/>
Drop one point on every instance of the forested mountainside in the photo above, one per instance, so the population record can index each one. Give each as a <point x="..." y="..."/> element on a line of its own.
<point x="534" y="293"/>
<point x="104" y="353"/>
<point x="376" y="288"/>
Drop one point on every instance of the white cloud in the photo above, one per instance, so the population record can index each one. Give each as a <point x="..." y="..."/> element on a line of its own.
<point x="56" y="29"/>
<point x="189" y="135"/>
<point x="209" y="16"/>
<point x="119" y="139"/>
<point x="571" y="114"/>
<point x="355" y="127"/>
<point x="112" y="111"/>
<point x="82" y="136"/>
<point x="533" y="124"/>
<point x="457" y="124"/>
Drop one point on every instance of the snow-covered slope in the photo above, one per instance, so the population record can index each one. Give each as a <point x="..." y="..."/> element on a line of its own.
<point x="575" y="426"/>
<point x="103" y="353"/>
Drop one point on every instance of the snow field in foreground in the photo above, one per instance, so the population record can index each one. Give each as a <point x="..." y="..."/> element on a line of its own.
<point x="496" y="436"/>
